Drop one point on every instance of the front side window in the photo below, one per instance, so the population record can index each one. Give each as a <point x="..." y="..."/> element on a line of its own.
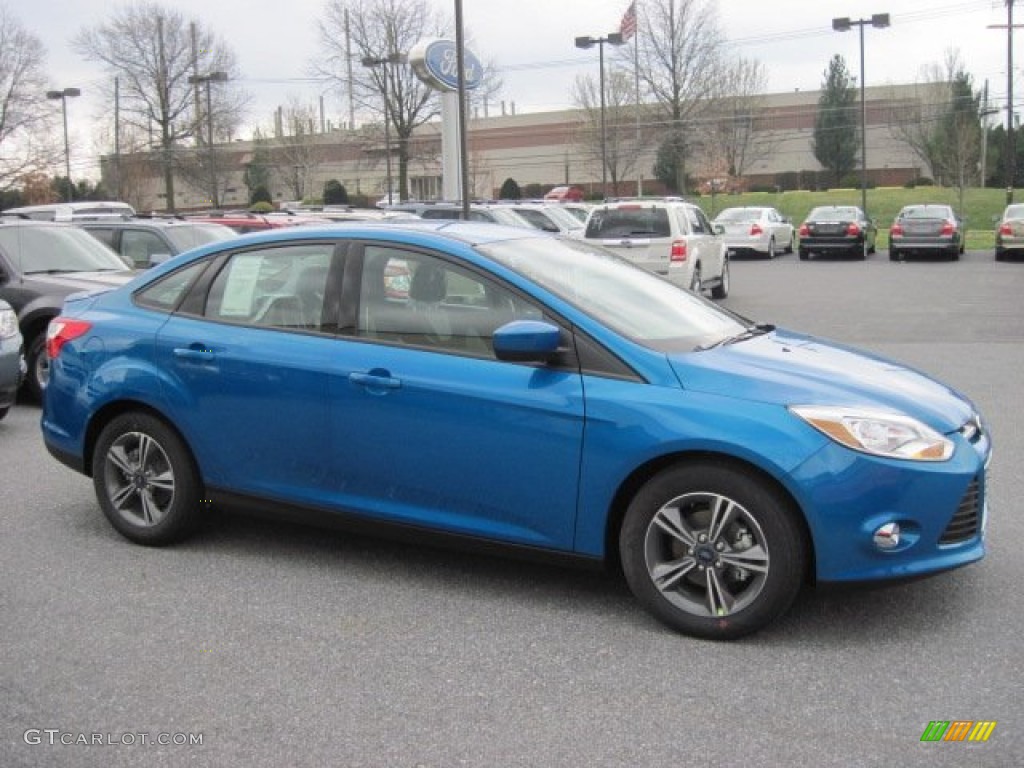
<point x="420" y="300"/>
<point x="281" y="287"/>
<point x="139" y="246"/>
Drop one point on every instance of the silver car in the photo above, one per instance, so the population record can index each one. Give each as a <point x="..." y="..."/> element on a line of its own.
<point x="756" y="231"/>
<point x="1010" y="232"/>
<point x="12" y="362"/>
<point x="667" y="236"/>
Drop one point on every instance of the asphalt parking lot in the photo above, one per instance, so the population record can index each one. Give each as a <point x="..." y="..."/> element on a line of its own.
<point x="277" y="645"/>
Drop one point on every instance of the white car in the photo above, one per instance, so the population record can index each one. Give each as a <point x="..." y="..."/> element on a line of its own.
<point x="756" y="231"/>
<point x="667" y="236"/>
<point x="549" y="217"/>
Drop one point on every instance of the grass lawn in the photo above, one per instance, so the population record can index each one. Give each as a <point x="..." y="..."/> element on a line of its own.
<point x="980" y="208"/>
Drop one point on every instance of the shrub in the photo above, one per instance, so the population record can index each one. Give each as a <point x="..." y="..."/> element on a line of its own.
<point x="510" y="190"/>
<point x="335" y="193"/>
<point x="261" y="207"/>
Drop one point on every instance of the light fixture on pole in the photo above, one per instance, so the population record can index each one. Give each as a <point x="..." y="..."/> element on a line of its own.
<point x="382" y="62"/>
<point x="584" y="42"/>
<point x="208" y="79"/>
<point x="843" y="24"/>
<point x="63" y="96"/>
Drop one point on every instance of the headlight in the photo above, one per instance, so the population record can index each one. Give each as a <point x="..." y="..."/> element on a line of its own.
<point x="881" y="433"/>
<point x="8" y="323"/>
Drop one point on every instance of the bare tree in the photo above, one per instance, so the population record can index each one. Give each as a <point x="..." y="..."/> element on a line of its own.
<point x="619" y="148"/>
<point x="25" y="116"/>
<point x="679" y="64"/>
<point x="943" y="127"/>
<point x="154" y="52"/>
<point x="373" y="30"/>
<point x="296" y="151"/>
<point x="730" y="134"/>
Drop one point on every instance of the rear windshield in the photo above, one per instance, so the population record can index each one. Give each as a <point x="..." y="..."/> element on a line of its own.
<point x="739" y="214"/>
<point x="926" y="212"/>
<point x="830" y="213"/>
<point x="629" y="222"/>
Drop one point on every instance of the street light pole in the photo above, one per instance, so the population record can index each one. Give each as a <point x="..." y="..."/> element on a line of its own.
<point x="612" y="38"/>
<point x="382" y="62"/>
<point x="63" y="96"/>
<point x="208" y="79"/>
<point x="878" y="20"/>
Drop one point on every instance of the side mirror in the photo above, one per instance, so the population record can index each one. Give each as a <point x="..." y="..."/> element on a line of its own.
<point x="527" y="341"/>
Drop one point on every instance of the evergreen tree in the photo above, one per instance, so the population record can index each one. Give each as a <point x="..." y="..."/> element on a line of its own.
<point x="836" y="133"/>
<point x="510" y="190"/>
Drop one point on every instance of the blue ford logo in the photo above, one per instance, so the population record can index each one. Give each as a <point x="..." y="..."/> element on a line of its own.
<point x="436" y="63"/>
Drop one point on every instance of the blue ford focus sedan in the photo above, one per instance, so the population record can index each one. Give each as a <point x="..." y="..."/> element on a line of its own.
<point x="508" y="387"/>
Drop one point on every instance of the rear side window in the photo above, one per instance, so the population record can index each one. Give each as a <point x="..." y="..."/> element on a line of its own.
<point x="166" y="293"/>
<point x="629" y="222"/>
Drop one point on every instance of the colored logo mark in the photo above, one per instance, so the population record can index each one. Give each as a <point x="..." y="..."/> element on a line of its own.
<point x="958" y="730"/>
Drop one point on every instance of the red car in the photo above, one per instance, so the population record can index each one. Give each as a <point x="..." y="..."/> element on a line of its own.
<point x="244" y="221"/>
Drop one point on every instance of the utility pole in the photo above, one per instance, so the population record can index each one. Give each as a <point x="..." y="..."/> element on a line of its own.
<point x="1010" y="150"/>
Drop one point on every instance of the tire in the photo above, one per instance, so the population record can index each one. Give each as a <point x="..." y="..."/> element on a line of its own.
<point x="3" y="412"/>
<point x="695" y="282"/>
<point x="804" y="254"/>
<point x="771" y="248"/>
<point x="1000" y="255"/>
<point x="721" y="290"/>
<point x="789" y="248"/>
<point x="38" y="366"/>
<point x="146" y="481"/>
<point x="860" y="252"/>
<point x="712" y="550"/>
<point x="894" y="255"/>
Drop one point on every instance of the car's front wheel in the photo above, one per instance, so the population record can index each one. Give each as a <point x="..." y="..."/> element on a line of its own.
<point x="713" y="551"/>
<point x="146" y="480"/>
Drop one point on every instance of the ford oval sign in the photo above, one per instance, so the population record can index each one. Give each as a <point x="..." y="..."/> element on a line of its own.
<point x="435" y="63"/>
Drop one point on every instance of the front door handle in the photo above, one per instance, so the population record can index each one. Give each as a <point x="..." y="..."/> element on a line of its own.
<point x="198" y="352"/>
<point x="377" y="381"/>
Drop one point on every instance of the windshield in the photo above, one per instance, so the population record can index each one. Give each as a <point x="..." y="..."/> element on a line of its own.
<point x="629" y="300"/>
<point x="57" y="248"/>
<point x="198" y="234"/>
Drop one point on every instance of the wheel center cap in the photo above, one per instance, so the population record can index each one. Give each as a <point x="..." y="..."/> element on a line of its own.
<point x="139" y="481"/>
<point x="705" y="554"/>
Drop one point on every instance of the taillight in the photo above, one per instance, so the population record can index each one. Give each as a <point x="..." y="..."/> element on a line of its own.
<point x="852" y="230"/>
<point x="755" y="229"/>
<point x="61" y="331"/>
<point x="804" y="231"/>
<point x="678" y="251"/>
<point x="896" y="229"/>
<point x="1005" y="229"/>
<point x="948" y="228"/>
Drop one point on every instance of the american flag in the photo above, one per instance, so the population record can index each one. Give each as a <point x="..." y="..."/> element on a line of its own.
<point x="627" y="27"/>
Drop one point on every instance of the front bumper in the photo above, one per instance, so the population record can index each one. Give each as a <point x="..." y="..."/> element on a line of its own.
<point x="941" y="509"/>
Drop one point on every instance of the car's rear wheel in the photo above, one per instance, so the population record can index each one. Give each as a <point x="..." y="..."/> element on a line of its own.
<point x="804" y="254"/>
<point x="771" y="248"/>
<point x="695" y="280"/>
<point x="3" y="412"/>
<point x="146" y="480"/>
<point x="38" y="366"/>
<point x="712" y="551"/>
<point x="721" y="290"/>
<point x="894" y="255"/>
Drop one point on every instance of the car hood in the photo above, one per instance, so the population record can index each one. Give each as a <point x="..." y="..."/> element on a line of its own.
<point x="792" y="369"/>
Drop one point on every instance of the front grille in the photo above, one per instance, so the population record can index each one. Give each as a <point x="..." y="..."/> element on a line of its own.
<point x="967" y="521"/>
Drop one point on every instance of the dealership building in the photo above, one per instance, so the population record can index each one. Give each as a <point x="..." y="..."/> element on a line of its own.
<point x="541" y="149"/>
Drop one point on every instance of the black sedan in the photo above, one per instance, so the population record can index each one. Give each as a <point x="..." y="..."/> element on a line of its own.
<point x="837" y="230"/>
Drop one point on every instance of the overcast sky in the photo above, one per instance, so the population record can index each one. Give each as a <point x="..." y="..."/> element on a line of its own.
<point x="531" y="41"/>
